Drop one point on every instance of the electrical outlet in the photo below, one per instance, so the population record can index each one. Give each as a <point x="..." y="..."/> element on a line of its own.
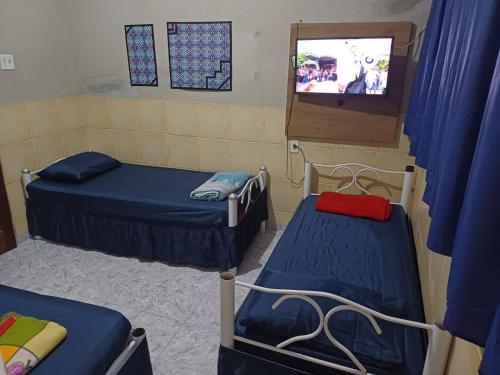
<point x="7" y="62"/>
<point x="294" y="146"/>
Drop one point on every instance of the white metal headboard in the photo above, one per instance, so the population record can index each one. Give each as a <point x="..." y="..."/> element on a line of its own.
<point x="407" y="178"/>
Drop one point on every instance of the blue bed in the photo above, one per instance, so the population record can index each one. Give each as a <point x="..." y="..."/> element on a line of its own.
<point x="143" y="211"/>
<point x="96" y="335"/>
<point x="377" y="256"/>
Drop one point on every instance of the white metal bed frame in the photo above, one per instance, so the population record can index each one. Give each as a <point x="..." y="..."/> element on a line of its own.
<point x="245" y="195"/>
<point x="440" y="339"/>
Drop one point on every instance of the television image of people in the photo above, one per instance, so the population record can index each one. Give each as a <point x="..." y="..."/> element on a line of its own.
<point x="356" y="66"/>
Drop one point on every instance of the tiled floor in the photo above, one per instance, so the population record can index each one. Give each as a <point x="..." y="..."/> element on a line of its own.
<point x="178" y="306"/>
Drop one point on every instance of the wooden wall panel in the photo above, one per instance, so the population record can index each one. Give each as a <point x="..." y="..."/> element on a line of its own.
<point x="361" y="119"/>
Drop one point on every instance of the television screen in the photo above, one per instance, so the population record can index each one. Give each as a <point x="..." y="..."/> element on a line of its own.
<point x="349" y="66"/>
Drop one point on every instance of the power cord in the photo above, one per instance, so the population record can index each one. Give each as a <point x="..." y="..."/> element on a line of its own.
<point x="289" y="161"/>
<point x="418" y="39"/>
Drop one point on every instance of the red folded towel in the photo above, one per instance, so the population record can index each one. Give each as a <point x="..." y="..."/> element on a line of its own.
<point x="368" y="206"/>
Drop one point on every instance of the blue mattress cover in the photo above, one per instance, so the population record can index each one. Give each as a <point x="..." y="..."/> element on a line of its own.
<point x="96" y="335"/>
<point x="371" y="254"/>
<point x="135" y="192"/>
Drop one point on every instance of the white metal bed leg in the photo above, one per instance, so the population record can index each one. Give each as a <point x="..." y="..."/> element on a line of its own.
<point x="263" y="184"/>
<point x="233" y="210"/>
<point x="227" y="309"/>
<point x="307" y="178"/>
<point x="437" y="351"/>
<point x="135" y="339"/>
<point x="26" y="177"/>
<point x="406" y="191"/>
<point x="263" y="177"/>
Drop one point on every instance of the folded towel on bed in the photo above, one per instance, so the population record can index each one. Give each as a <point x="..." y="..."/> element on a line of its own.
<point x="367" y="206"/>
<point x="220" y="185"/>
<point x="25" y="341"/>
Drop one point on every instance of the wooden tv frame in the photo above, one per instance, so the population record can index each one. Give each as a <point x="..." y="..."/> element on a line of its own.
<point x="347" y="118"/>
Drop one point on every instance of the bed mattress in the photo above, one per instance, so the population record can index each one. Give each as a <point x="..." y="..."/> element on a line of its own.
<point x="144" y="212"/>
<point x="135" y="192"/>
<point x="366" y="253"/>
<point x="96" y="335"/>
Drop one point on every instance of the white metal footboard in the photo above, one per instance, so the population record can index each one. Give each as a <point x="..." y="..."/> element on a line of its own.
<point x="437" y="352"/>
<point x="245" y="197"/>
<point x="407" y="181"/>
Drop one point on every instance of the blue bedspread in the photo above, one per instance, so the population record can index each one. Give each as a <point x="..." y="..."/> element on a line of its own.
<point x="96" y="335"/>
<point x="370" y="254"/>
<point x="144" y="212"/>
<point x="136" y="192"/>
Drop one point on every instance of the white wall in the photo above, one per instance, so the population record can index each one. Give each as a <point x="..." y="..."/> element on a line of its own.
<point x="260" y="40"/>
<point x="38" y="34"/>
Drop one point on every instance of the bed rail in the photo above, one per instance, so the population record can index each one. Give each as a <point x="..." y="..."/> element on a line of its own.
<point x="245" y="197"/>
<point x="407" y="178"/>
<point x="437" y="351"/>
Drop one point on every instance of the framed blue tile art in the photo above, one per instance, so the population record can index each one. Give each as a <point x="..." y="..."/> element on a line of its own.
<point x="200" y="55"/>
<point x="141" y="55"/>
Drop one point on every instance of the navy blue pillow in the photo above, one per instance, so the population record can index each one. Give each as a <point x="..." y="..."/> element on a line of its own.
<point x="79" y="167"/>
<point x="295" y="317"/>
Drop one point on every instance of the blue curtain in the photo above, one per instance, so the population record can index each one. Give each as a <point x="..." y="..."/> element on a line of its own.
<point x="454" y="125"/>
<point x="490" y="364"/>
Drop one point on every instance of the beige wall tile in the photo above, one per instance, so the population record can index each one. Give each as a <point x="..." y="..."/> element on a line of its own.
<point x="99" y="140"/>
<point x="13" y="123"/>
<point x="15" y="157"/>
<point x="274" y="159"/>
<point x="43" y="117"/>
<point x="213" y="154"/>
<point x="181" y="118"/>
<point x="213" y="120"/>
<point x="274" y="125"/>
<point x="15" y="195"/>
<point x="151" y="116"/>
<point x="182" y="152"/>
<point x="20" y="226"/>
<point x="282" y="197"/>
<point x="392" y="183"/>
<point x="244" y="156"/>
<point x="121" y="113"/>
<point x="246" y="123"/>
<point x="95" y="112"/>
<point x="318" y="143"/>
<point x="346" y="155"/>
<point x="464" y="359"/>
<point x="125" y="146"/>
<point x="152" y="148"/>
<point x="74" y="142"/>
<point x="404" y="144"/>
<point x="48" y="149"/>
<point x="70" y="111"/>
<point x="323" y="155"/>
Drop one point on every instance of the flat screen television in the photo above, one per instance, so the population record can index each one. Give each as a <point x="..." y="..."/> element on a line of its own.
<point x="343" y="66"/>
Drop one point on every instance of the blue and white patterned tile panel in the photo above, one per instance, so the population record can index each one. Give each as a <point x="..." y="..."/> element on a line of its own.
<point x="141" y="55"/>
<point x="200" y="55"/>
